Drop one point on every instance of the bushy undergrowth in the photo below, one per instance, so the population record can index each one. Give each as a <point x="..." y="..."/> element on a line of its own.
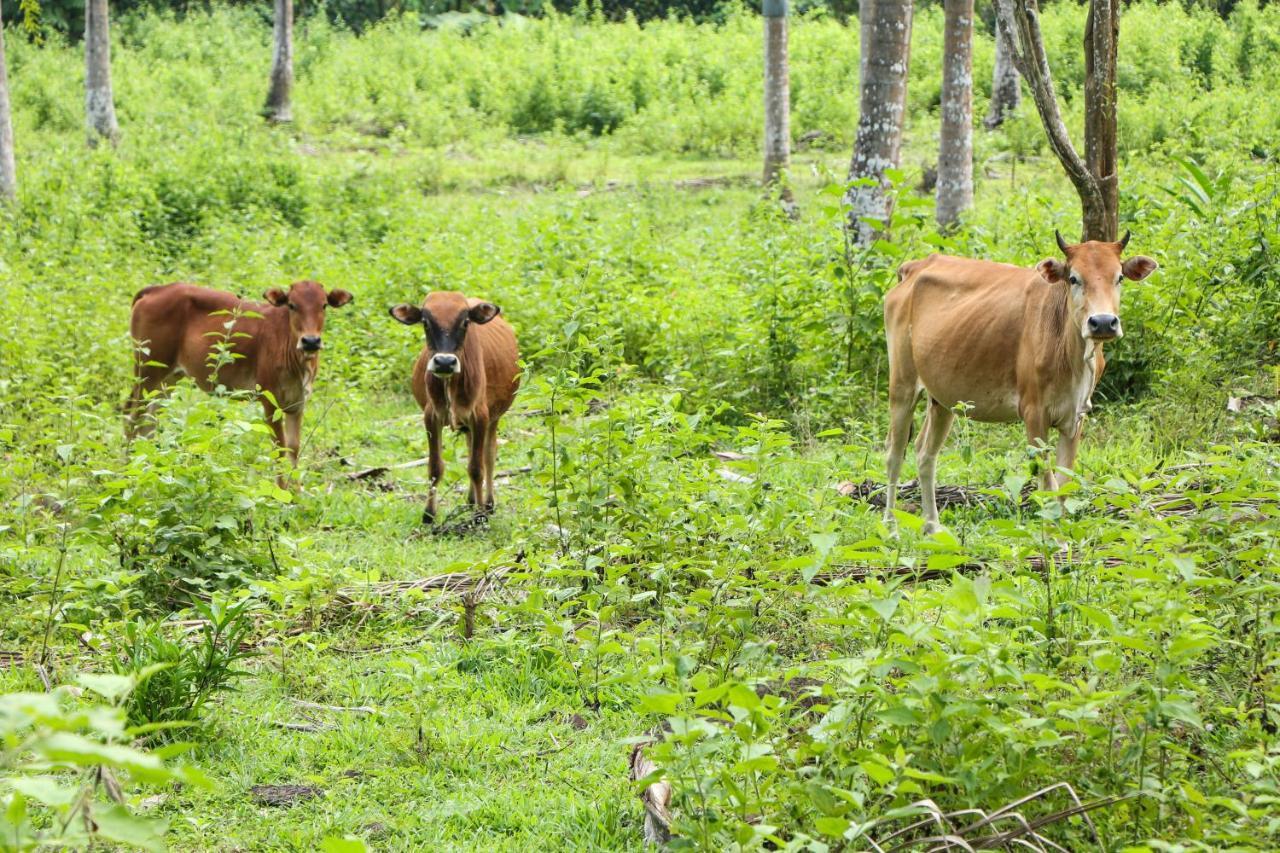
<point x="662" y="317"/>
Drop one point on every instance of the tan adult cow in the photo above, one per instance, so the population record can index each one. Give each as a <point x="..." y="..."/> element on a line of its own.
<point x="273" y="348"/>
<point x="466" y="377"/>
<point x="1008" y="342"/>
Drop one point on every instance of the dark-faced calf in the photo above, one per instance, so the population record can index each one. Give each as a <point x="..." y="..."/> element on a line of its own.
<point x="465" y="377"/>
<point x="181" y="329"/>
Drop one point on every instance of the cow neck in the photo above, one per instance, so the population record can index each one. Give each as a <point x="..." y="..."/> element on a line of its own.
<point x="1071" y="353"/>
<point x="287" y="354"/>
<point x="1068" y="350"/>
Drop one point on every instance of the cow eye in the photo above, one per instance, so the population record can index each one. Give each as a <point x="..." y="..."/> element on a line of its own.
<point x="1074" y="279"/>
<point x="293" y="307"/>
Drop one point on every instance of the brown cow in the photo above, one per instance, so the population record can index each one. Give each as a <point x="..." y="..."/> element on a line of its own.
<point x="466" y="377"/>
<point x="275" y="348"/>
<point x="1009" y="343"/>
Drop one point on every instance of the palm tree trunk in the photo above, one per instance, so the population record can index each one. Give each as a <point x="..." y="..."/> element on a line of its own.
<point x="886" y="52"/>
<point x="99" y="102"/>
<point x="777" y="96"/>
<point x="279" y="107"/>
<point x="1006" y="85"/>
<point x="955" y="149"/>
<point x="8" y="170"/>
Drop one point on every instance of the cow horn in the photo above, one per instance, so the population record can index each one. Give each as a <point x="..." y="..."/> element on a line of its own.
<point x="1062" y="244"/>
<point x="1124" y="241"/>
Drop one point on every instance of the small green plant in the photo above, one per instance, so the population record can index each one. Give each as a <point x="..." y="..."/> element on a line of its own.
<point x="184" y="671"/>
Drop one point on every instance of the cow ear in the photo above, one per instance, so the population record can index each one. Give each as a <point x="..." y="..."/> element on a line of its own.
<point x="1139" y="267"/>
<point x="1052" y="270"/>
<point x="338" y="298"/>
<point x="276" y="297"/>
<point x="483" y="312"/>
<point x="410" y="315"/>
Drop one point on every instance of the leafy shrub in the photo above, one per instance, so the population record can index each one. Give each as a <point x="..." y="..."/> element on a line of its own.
<point x="182" y="514"/>
<point x="62" y="759"/>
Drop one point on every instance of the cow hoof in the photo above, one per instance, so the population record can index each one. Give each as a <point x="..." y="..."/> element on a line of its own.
<point x="428" y="516"/>
<point x="891" y="524"/>
<point x="931" y="528"/>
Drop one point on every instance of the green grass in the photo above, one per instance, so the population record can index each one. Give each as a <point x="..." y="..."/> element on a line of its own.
<point x="664" y="312"/>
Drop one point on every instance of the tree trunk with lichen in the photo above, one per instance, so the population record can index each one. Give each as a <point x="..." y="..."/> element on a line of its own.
<point x="886" y="51"/>
<point x="777" y="96"/>
<point x="8" y="168"/>
<point x="955" y="146"/>
<point x="99" y="101"/>
<point x="279" y="106"/>
<point x="1101" y="36"/>
<point x="1095" y="175"/>
<point x="1006" y="84"/>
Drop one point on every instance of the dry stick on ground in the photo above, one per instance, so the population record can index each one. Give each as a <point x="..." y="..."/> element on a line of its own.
<point x="352" y="709"/>
<point x="455" y="582"/>
<point x="1162" y="504"/>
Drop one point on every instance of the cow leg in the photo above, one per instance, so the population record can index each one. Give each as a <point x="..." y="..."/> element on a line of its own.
<point x="490" y="460"/>
<point x="475" y="463"/>
<point x="1037" y="435"/>
<point x="435" y="463"/>
<point x="293" y="434"/>
<point x="270" y="412"/>
<point x="902" y="403"/>
<point x="1068" y="444"/>
<point x="150" y="384"/>
<point x="937" y="423"/>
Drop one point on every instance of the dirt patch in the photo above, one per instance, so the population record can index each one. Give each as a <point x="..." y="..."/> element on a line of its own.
<point x="283" y="795"/>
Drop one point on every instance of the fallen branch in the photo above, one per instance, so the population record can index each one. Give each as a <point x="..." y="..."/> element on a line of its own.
<point x="450" y="582"/>
<point x="872" y="492"/>
<point x="379" y="470"/>
<point x="918" y="574"/>
<point x="316" y="706"/>
<point x="300" y="727"/>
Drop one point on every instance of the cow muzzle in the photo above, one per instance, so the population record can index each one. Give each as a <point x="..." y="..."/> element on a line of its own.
<point x="1103" y="327"/>
<point x="309" y="343"/>
<point x="443" y="364"/>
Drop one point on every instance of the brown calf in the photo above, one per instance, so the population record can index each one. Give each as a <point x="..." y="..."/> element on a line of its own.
<point x="466" y="377"/>
<point x="182" y="329"/>
<point x="1008" y="342"/>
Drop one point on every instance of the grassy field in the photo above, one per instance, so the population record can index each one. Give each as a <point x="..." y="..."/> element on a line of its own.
<point x="807" y="675"/>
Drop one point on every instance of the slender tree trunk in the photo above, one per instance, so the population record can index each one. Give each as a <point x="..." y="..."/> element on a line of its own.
<point x="777" y="95"/>
<point x="279" y="106"/>
<point x="1006" y="85"/>
<point x="1101" y="35"/>
<point x="1094" y="175"/>
<point x="99" y="103"/>
<point x="886" y="52"/>
<point x="955" y="148"/>
<point x="8" y="170"/>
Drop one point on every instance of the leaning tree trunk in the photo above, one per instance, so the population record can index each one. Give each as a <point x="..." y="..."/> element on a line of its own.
<point x="99" y="103"/>
<point x="955" y="148"/>
<point x="8" y="170"/>
<point x="777" y="96"/>
<point x="1094" y="175"/>
<point x="886" y="51"/>
<point x="1006" y="86"/>
<point x="279" y="106"/>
